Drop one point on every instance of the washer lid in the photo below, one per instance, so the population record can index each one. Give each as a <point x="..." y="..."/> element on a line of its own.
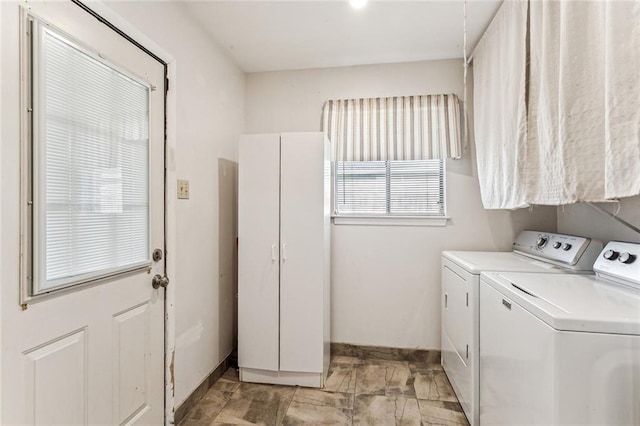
<point x="572" y="302"/>
<point x="478" y="261"/>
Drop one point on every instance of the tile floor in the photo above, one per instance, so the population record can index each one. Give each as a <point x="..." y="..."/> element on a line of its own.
<point x="358" y="392"/>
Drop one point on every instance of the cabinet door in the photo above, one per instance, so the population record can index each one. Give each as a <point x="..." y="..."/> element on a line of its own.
<point x="258" y="253"/>
<point x="301" y="273"/>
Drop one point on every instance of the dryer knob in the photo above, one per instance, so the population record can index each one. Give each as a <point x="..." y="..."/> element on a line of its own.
<point x="610" y="254"/>
<point x="557" y="245"/>
<point x="626" y="258"/>
<point x="566" y="247"/>
<point x="542" y="241"/>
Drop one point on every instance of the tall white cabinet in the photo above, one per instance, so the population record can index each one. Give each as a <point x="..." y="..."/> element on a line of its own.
<point x="283" y="258"/>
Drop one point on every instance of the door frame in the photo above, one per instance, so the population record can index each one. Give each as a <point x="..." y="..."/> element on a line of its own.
<point x="103" y="13"/>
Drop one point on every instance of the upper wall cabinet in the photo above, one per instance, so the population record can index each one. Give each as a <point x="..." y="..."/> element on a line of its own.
<point x="565" y="129"/>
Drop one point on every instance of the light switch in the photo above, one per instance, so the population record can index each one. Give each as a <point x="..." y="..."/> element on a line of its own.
<point x="183" y="189"/>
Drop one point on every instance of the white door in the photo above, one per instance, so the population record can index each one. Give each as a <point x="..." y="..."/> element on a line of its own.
<point x="85" y="343"/>
<point x="258" y="251"/>
<point x="457" y="318"/>
<point x="302" y="267"/>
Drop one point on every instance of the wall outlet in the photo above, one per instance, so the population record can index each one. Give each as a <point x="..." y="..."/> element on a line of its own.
<point x="183" y="189"/>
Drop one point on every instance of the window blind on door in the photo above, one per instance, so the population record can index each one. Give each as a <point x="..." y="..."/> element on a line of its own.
<point x="91" y="166"/>
<point x="400" y="188"/>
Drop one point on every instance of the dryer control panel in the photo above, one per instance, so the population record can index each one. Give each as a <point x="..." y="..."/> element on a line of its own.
<point x="620" y="262"/>
<point x="569" y="251"/>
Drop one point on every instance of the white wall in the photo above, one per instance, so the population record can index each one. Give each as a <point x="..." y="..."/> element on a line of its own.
<point x="386" y="279"/>
<point x="209" y="114"/>
<point x="582" y="219"/>
<point x="9" y="173"/>
<point x="2" y="98"/>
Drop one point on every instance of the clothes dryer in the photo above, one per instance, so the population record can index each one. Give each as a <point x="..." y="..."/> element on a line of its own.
<point x="533" y="251"/>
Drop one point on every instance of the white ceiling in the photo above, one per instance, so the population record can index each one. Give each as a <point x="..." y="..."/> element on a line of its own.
<point x="279" y="35"/>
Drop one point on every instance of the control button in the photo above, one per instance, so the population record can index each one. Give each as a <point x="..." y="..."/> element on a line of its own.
<point x="626" y="258"/>
<point x="610" y="254"/>
<point x="566" y="247"/>
<point x="557" y="245"/>
<point x="542" y="241"/>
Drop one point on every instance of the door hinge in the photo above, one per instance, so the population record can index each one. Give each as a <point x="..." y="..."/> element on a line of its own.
<point x="445" y="300"/>
<point x="166" y="85"/>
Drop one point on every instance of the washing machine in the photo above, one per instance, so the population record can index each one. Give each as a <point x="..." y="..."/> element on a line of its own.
<point x="533" y="251"/>
<point x="562" y="349"/>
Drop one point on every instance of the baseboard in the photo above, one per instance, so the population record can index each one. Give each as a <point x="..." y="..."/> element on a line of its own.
<point x="201" y="390"/>
<point x="287" y="378"/>
<point x="385" y="353"/>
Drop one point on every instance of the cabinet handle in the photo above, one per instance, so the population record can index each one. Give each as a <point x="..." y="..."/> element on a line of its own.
<point x="506" y="304"/>
<point x="284" y="252"/>
<point x="445" y="299"/>
<point x="273" y="252"/>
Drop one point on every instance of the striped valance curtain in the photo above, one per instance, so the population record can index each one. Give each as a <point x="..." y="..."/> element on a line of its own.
<point x="396" y="128"/>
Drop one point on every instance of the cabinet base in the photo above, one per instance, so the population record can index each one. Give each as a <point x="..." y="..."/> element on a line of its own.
<point x="310" y="380"/>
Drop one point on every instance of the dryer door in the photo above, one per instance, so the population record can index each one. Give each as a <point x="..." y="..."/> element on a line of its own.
<point x="458" y="331"/>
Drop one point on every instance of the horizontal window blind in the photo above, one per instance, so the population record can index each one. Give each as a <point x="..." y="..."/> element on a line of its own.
<point x="91" y="185"/>
<point x="401" y="188"/>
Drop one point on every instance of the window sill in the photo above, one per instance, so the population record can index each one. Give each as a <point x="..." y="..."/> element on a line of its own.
<point x="391" y="220"/>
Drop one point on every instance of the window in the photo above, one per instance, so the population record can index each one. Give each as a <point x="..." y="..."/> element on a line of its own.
<point x="90" y="144"/>
<point x="389" y="157"/>
<point x="390" y="188"/>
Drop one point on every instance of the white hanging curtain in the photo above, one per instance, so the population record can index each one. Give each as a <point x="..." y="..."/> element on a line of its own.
<point x="564" y="160"/>
<point x="500" y="113"/>
<point x="397" y="128"/>
<point x="584" y="102"/>
<point x="622" y="93"/>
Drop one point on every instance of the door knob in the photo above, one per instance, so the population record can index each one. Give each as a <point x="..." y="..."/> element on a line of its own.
<point x="160" y="281"/>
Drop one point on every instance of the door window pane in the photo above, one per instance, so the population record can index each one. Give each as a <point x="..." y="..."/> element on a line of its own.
<point x="91" y="166"/>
